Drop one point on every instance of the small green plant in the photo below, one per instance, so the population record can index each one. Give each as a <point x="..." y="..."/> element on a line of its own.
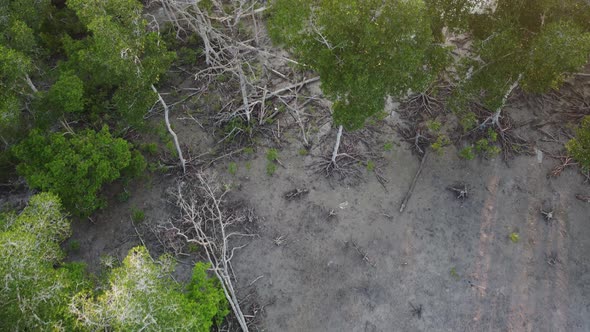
<point x="486" y="145"/>
<point x="272" y="155"/>
<point x="248" y="150"/>
<point x="514" y="237"/>
<point x="123" y="196"/>
<point x="271" y="168"/>
<point x="232" y="168"/>
<point x="370" y="165"/>
<point x="137" y="215"/>
<point x="468" y="121"/>
<point x="74" y="246"/>
<point x="388" y="146"/>
<point x="248" y="166"/>
<point x="433" y="125"/>
<point x="467" y="153"/>
<point x="454" y="274"/>
<point x="303" y="152"/>
<point x="579" y="146"/>
<point x="440" y="143"/>
<point x="192" y="248"/>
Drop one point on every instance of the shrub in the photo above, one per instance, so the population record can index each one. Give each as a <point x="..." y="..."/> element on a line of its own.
<point x="35" y="294"/>
<point x="579" y="147"/>
<point x="76" y="168"/>
<point x="142" y="288"/>
<point x="467" y="153"/>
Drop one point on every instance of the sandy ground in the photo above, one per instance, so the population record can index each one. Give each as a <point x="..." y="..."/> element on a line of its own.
<point x="452" y="257"/>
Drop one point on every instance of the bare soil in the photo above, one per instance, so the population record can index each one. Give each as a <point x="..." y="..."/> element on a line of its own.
<point x="366" y="267"/>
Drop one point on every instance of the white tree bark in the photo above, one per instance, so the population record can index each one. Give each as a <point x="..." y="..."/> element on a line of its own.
<point x="30" y="83"/>
<point x="495" y="118"/>
<point x="166" y="118"/>
<point x="337" y="145"/>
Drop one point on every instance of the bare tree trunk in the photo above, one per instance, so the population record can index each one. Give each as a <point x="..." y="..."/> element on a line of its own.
<point x="337" y="145"/>
<point x="30" y="83"/>
<point x="495" y="118"/>
<point x="166" y="111"/>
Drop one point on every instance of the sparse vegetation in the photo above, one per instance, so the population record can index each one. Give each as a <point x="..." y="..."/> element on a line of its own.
<point x="579" y="147"/>
<point x="514" y="237"/>
<point x="137" y="215"/>
<point x="232" y="168"/>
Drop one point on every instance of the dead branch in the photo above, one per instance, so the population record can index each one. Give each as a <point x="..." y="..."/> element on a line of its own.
<point x="166" y="118"/>
<point x="296" y="193"/>
<point x="363" y="254"/>
<point x="460" y="190"/>
<point x="205" y="220"/>
<point x="411" y="190"/>
<point x="583" y="198"/>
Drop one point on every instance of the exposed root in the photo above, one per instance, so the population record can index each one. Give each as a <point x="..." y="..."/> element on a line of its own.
<point x="460" y="190"/>
<point x="565" y="161"/>
<point x="419" y="140"/>
<point x="547" y="215"/>
<point x="422" y="103"/>
<point x="344" y="165"/>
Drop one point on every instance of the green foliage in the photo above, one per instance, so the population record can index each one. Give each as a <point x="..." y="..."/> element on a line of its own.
<point x="370" y="165"/>
<point x="150" y="148"/>
<point x="14" y="66"/>
<point x="467" y="120"/>
<point x="123" y="196"/>
<point x="579" y="147"/>
<point x="143" y="289"/>
<point x="119" y="59"/>
<point x="303" y="152"/>
<point x="249" y="150"/>
<point x="530" y="42"/>
<point x="440" y="143"/>
<point x="271" y="168"/>
<point x="137" y="215"/>
<point x="514" y="237"/>
<point x="272" y="154"/>
<point x="486" y="146"/>
<point x="67" y="93"/>
<point x="34" y="293"/>
<point x="232" y="168"/>
<point x="433" y="125"/>
<point x="388" y="147"/>
<point x="362" y="50"/>
<point x="454" y="274"/>
<point x="75" y="167"/>
<point x="467" y="153"/>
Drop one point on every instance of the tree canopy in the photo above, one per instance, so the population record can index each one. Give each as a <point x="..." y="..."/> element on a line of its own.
<point x="362" y="50"/>
<point x="76" y="166"/>
<point x="143" y="297"/>
<point x="35" y="293"/>
<point x="532" y="43"/>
